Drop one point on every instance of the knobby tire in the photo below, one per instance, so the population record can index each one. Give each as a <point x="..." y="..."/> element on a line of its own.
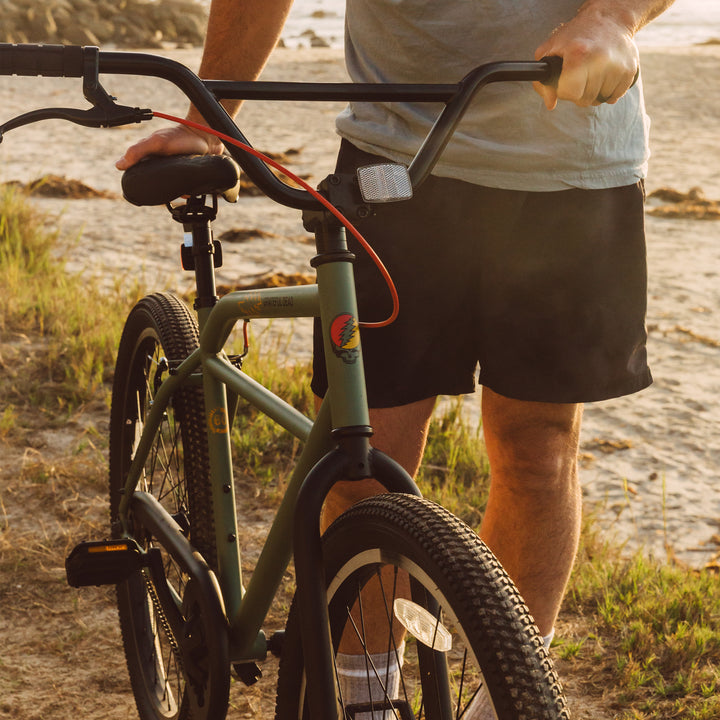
<point x="496" y="648"/>
<point x="158" y="334"/>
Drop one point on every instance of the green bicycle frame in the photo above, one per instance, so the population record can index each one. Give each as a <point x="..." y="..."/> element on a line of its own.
<point x="335" y="304"/>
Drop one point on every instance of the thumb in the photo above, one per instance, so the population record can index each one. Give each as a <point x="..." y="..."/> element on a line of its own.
<point x="547" y="93"/>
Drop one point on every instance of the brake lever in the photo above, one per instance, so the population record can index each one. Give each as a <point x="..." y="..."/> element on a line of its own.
<point x="110" y="115"/>
<point x="104" y="113"/>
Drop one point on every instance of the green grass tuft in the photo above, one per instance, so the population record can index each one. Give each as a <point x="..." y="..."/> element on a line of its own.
<point x="79" y="324"/>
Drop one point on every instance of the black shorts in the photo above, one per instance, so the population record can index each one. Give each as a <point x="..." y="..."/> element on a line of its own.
<point x="544" y="292"/>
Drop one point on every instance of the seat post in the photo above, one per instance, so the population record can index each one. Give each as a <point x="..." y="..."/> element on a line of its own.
<point x="200" y="253"/>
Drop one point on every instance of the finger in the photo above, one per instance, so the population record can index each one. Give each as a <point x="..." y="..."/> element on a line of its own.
<point x="168" y="141"/>
<point x="547" y="93"/>
<point x="576" y="85"/>
<point x="131" y="157"/>
<point x="152" y="145"/>
<point x="612" y="92"/>
<point x="609" y="97"/>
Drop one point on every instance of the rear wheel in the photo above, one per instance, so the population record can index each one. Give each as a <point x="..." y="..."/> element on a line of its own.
<point x="167" y="682"/>
<point x="461" y="638"/>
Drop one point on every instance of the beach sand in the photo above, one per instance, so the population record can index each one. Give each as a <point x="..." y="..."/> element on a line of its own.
<point x="650" y="462"/>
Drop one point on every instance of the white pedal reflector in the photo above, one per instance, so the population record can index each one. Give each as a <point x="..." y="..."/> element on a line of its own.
<point x="387" y="182"/>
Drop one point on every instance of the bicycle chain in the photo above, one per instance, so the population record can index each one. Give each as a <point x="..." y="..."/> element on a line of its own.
<point x="163" y="621"/>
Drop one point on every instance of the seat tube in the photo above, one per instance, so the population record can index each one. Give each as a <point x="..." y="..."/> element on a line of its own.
<point x="202" y="255"/>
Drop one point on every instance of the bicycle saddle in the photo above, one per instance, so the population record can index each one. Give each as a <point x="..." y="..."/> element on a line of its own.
<point x="160" y="180"/>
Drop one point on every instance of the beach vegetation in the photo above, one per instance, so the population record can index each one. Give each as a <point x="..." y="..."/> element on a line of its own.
<point x="74" y="325"/>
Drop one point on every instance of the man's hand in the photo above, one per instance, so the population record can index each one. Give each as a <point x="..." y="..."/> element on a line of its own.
<point x="600" y="58"/>
<point x="179" y="140"/>
<point x="241" y="35"/>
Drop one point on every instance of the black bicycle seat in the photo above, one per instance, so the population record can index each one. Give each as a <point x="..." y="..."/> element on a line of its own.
<point x="159" y="180"/>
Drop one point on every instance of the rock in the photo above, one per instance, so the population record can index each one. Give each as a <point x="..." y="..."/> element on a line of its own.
<point x="692" y="204"/>
<point x="125" y="23"/>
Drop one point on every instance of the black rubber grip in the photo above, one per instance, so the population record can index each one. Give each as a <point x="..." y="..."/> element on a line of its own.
<point x="48" y="60"/>
<point x="555" y="64"/>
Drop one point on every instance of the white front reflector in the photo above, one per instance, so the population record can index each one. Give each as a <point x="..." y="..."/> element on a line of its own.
<point x="388" y="182"/>
<point x="422" y="625"/>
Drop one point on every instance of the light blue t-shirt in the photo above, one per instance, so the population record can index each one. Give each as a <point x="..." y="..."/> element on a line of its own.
<point x="507" y="139"/>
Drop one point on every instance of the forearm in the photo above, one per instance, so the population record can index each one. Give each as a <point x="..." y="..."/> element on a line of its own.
<point x="241" y="35"/>
<point x="630" y="14"/>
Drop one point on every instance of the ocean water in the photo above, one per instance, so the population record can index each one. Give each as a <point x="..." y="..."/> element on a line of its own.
<point x="686" y="22"/>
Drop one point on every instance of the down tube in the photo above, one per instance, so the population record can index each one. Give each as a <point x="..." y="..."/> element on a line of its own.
<point x="277" y="550"/>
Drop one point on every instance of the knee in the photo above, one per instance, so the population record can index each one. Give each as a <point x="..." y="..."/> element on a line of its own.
<point x="536" y="453"/>
<point x="540" y="467"/>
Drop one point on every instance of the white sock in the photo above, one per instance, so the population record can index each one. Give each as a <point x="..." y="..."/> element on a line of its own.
<point x="372" y="678"/>
<point x="481" y="708"/>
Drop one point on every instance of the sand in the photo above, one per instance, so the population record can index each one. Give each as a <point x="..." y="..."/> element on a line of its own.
<point x="651" y="462"/>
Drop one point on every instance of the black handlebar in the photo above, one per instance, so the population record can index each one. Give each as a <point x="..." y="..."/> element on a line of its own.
<point x="88" y="62"/>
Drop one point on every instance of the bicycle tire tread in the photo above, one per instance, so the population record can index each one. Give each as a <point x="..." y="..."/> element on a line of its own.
<point x="164" y="318"/>
<point x="484" y="582"/>
<point x="479" y="585"/>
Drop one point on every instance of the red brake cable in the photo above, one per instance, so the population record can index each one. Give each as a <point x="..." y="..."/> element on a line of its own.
<point x="324" y="201"/>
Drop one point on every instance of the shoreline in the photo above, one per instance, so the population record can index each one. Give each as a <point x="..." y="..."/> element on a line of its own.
<point x="650" y="462"/>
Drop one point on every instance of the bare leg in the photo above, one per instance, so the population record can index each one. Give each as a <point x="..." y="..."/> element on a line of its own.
<point x="532" y="521"/>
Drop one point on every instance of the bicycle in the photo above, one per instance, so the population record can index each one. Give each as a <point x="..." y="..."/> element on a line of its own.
<point x="187" y="621"/>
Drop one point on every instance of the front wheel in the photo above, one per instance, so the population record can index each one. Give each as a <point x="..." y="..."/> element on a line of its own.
<point x="444" y="633"/>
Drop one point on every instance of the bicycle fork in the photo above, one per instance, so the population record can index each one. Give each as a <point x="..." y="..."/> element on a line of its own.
<point x="353" y="458"/>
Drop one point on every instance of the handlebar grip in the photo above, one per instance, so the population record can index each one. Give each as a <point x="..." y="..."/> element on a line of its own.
<point x="47" y="60"/>
<point x="555" y="63"/>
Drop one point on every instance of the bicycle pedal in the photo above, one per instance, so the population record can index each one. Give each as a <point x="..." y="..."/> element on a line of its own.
<point x="275" y="643"/>
<point x="103" y="562"/>
<point x="249" y="673"/>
